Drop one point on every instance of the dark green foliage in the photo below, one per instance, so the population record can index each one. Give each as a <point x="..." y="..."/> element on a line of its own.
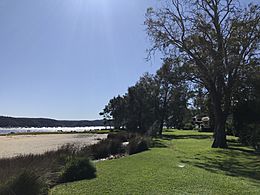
<point x="155" y="100"/>
<point x="100" y="149"/>
<point x="105" y="148"/>
<point x="142" y="104"/>
<point x="247" y="112"/>
<point x="121" y="135"/>
<point x="251" y="135"/>
<point x="173" y="95"/>
<point x="116" y="147"/>
<point x="188" y="126"/>
<point x="78" y="169"/>
<point x="27" y="183"/>
<point x="138" y="144"/>
<point x="217" y="42"/>
<point x="115" y="111"/>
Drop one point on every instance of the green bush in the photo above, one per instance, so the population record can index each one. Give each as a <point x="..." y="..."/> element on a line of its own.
<point x="138" y="144"/>
<point x="100" y="149"/>
<point x="105" y="148"/>
<point x="188" y="126"/>
<point x="250" y="135"/>
<point x="78" y="169"/>
<point x="116" y="147"/>
<point x="27" y="183"/>
<point x="122" y="136"/>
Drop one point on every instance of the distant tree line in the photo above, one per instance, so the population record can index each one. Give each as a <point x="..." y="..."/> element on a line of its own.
<point x="153" y="102"/>
<point x="44" y="122"/>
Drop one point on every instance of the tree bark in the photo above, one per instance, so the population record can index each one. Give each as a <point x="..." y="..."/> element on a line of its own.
<point x="220" y="117"/>
<point x="161" y="127"/>
<point x="220" y="140"/>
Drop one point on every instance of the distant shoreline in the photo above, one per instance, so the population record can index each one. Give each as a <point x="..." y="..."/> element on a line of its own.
<point x="54" y="130"/>
<point x="17" y="122"/>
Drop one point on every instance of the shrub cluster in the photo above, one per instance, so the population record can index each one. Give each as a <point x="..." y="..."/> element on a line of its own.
<point x="105" y="148"/>
<point x="46" y="170"/>
<point x="121" y="135"/>
<point x="25" y="174"/>
<point x="78" y="169"/>
<point x="138" y="144"/>
<point x="27" y="183"/>
<point x="251" y="136"/>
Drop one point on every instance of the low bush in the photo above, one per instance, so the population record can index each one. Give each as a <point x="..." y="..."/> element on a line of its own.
<point x="122" y="136"/>
<point x="100" y="149"/>
<point x="188" y="126"/>
<point x="116" y="147"/>
<point x="138" y="144"/>
<point x="47" y="165"/>
<point x="105" y="148"/>
<point x="78" y="169"/>
<point x="25" y="183"/>
<point x="250" y="135"/>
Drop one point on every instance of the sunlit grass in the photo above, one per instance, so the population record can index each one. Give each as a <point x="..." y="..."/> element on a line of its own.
<point x="181" y="163"/>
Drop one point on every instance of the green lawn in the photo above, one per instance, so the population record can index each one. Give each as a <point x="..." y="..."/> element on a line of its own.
<point x="181" y="163"/>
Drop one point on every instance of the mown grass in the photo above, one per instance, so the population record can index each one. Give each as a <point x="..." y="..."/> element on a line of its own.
<point x="180" y="163"/>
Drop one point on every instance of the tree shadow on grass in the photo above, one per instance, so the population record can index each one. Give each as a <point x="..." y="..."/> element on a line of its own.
<point x="237" y="160"/>
<point x="237" y="146"/>
<point x="233" y="162"/>
<point x="189" y="136"/>
<point x="158" y="144"/>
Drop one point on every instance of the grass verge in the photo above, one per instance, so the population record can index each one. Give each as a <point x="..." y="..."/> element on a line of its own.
<point x="182" y="162"/>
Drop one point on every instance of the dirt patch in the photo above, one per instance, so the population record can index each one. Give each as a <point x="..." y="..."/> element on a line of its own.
<point x="11" y="146"/>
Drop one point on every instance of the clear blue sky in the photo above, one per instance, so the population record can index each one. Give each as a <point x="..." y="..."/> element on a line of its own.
<point x="65" y="59"/>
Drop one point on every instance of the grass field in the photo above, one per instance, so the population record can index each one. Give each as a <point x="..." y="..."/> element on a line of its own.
<point x="180" y="163"/>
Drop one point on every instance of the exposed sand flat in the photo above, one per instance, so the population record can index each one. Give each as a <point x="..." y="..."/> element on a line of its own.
<point x="36" y="144"/>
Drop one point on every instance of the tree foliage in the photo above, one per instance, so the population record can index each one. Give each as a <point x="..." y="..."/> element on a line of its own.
<point x="246" y="111"/>
<point x="154" y="101"/>
<point x="219" y="44"/>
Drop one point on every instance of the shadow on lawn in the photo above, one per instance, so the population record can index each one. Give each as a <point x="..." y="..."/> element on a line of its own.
<point x="158" y="144"/>
<point x="234" y="161"/>
<point x="190" y="136"/>
<point x="237" y="146"/>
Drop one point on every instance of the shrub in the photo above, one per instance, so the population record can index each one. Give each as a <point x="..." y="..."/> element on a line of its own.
<point x="47" y="165"/>
<point x="100" y="149"/>
<point x="78" y="169"/>
<point x="25" y="183"/>
<point x="250" y="135"/>
<point x="188" y="126"/>
<point x="138" y="144"/>
<point x="123" y="136"/>
<point x="116" y="147"/>
<point x="105" y="148"/>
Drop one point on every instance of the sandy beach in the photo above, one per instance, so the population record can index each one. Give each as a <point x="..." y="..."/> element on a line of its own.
<point x="11" y="146"/>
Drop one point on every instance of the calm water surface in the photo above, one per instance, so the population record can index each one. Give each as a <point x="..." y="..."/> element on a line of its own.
<point x="50" y="129"/>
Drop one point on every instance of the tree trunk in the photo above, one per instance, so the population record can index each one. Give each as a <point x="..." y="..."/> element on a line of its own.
<point x="161" y="127"/>
<point x="220" y="140"/>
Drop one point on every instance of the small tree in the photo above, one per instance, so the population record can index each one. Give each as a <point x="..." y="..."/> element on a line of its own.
<point x="142" y="104"/>
<point x="115" y="111"/>
<point x="172" y="95"/>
